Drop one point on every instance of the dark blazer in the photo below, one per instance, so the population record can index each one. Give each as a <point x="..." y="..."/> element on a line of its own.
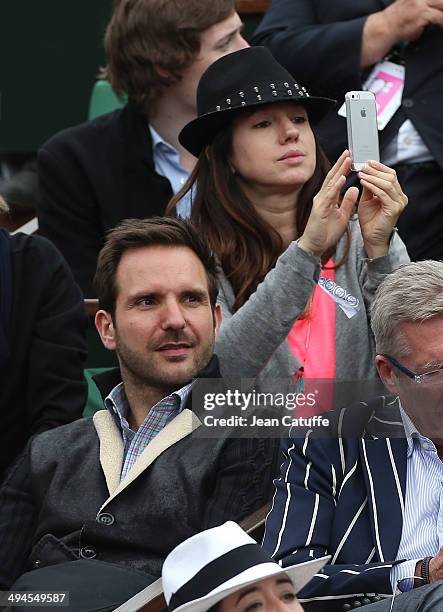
<point x="42" y="384"/>
<point x="91" y="177"/>
<point x="319" y="41"/>
<point x="343" y="495"/>
<point x="65" y="501"/>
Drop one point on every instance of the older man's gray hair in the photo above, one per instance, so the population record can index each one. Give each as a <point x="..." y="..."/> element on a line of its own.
<point x="414" y="292"/>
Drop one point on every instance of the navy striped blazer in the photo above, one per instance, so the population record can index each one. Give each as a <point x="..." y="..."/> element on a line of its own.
<point x="343" y="495"/>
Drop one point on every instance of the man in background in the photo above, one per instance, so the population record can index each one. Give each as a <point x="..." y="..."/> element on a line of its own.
<point x="333" y="47"/>
<point x="370" y="492"/>
<point x="128" y="163"/>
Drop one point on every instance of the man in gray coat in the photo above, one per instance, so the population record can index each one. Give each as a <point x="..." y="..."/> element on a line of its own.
<point x="129" y="484"/>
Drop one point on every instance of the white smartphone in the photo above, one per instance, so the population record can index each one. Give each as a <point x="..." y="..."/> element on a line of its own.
<point x="361" y="121"/>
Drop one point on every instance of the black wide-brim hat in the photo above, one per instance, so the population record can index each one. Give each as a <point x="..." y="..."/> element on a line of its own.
<point x="243" y="79"/>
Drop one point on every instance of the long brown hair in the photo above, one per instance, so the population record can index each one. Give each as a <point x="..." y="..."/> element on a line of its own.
<point x="246" y="245"/>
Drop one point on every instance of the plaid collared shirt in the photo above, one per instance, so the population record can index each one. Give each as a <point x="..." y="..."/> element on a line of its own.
<point x="158" y="417"/>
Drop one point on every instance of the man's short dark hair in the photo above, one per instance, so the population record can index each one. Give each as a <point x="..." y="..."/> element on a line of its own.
<point x="137" y="233"/>
<point x="149" y="43"/>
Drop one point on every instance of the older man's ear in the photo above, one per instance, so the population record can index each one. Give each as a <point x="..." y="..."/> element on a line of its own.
<point x="387" y="374"/>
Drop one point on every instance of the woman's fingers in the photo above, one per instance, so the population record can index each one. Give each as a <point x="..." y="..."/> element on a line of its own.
<point x="339" y="161"/>
<point x="377" y="169"/>
<point x="339" y="167"/>
<point x="349" y="201"/>
<point x="376" y="165"/>
<point x="336" y="187"/>
<point x="329" y="195"/>
<point x="384" y="186"/>
<point x="399" y="200"/>
<point x="382" y="182"/>
<point x="334" y="181"/>
<point x="373" y="188"/>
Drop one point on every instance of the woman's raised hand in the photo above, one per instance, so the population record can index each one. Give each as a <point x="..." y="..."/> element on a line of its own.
<point x="381" y="203"/>
<point x="328" y="219"/>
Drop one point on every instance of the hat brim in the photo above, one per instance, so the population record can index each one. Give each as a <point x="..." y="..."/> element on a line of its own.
<point x="299" y="574"/>
<point x="201" y="131"/>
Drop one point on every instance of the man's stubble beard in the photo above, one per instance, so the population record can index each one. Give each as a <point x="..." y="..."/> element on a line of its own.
<point x="144" y="373"/>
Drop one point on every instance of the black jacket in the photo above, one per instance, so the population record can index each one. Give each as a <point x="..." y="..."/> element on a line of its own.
<point x="319" y="41"/>
<point x="64" y="499"/>
<point x="42" y="384"/>
<point x="91" y="177"/>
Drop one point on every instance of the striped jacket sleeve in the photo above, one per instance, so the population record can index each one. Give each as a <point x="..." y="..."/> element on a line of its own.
<point x="302" y="524"/>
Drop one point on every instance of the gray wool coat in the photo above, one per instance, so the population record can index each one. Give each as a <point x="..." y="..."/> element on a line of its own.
<point x="252" y="342"/>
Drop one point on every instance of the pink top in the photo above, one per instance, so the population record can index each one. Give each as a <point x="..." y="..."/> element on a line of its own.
<point x="312" y="341"/>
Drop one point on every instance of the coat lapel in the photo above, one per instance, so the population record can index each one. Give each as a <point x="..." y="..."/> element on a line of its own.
<point x="111" y="448"/>
<point x="384" y="468"/>
<point x="181" y="426"/>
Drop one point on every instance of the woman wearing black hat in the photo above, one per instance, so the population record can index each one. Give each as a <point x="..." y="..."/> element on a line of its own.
<point x="298" y="271"/>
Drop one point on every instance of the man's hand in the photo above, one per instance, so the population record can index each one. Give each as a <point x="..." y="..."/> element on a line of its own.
<point x="408" y="18"/>
<point x="436" y="566"/>
<point x="328" y="219"/>
<point x="401" y="20"/>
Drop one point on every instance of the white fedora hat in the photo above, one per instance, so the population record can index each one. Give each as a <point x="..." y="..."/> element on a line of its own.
<point x="209" y="566"/>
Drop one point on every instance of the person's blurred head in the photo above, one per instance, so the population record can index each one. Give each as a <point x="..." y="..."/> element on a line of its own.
<point x="3" y="206"/>
<point x="156" y="45"/>
<point x="253" y="138"/>
<point x="223" y="569"/>
<point x="156" y="283"/>
<point x="407" y="322"/>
